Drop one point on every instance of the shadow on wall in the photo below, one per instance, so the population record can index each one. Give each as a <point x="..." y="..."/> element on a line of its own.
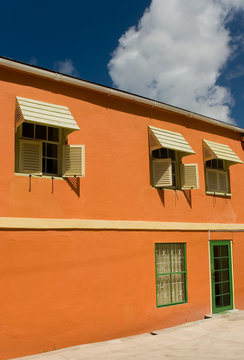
<point x="187" y="194"/>
<point x="74" y="183"/>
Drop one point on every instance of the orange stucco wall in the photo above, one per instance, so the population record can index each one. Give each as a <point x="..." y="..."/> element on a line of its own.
<point x="67" y="288"/>
<point x="115" y="134"/>
<point x="61" y="288"/>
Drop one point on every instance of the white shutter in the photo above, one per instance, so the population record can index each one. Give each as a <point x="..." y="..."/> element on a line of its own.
<point x="189" y="176"/>
<point x="217" y="181"/>
<point x="73" y="160"/>
<point x="30" y="157"/>
<point x="161" y="172"/>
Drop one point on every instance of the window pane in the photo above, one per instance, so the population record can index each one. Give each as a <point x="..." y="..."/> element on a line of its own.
<point x="171" y="154"/>
<point x="155" y="154"/>
<point x="163" y="258"/>
<point x="164" y="153"/>
<point x="177" y="257"/>
<point x="226" y="287"/>
<point x="220" y="164"/>
<point x="225" y="275"/>
<point x="44" y="149"/>
<point x="28" y="130"/>
<point x="163" y="290"/>
<point x="43" y="165"/>
<point x="41" y="132"/>
<point x="53" y="134"/>
<point x="226" y="300"/>
<point x="216" y="250"/>
<point x="224" y="250"/>
<point x="52" y="150"/>
<point x="178" y="287"/>
<point x="52" y="166"/>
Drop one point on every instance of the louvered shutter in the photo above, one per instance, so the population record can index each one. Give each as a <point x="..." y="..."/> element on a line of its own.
<point x="189" y="176"/>
<point x="212" y="180"/>
<point x="217" y="181"/>
<point x="223" y="182"/>
<point x="73" y="160"/>
<point x="161" y="172"/>
<point x="30" y="157"/>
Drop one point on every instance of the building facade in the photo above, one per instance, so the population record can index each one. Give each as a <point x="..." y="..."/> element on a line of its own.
<point x="119" y="215"/>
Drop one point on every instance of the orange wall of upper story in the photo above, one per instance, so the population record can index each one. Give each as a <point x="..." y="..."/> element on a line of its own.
<point x="117" y="173"/>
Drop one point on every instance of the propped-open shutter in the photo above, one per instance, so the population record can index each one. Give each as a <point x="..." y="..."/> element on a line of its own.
<point x="30" y="157"/>
<point x="73" y="160"/>
<point x="161" y="172"/>
<point x="189" y="176"/>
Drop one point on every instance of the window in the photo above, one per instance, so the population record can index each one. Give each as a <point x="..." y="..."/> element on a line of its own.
<point x="218" y="158"/>
<point x="217" y="176"/>
<point x="170" y="274"/>
<point x="49" y="143"/>
<point x="174" y="162"/>
<point x="167" y="149"/>
<point x="41" y="140"/>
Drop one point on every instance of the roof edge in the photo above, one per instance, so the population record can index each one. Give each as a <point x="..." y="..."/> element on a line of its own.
<point x="52" y="75"/>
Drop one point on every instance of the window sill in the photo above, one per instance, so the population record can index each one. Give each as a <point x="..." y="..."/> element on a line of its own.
<point x="172" y="304"/>
<point x="218" y="193"/>
<point x="40" y="176"/>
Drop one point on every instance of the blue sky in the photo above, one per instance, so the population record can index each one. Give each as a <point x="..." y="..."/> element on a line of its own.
<point x="188" y="53"/>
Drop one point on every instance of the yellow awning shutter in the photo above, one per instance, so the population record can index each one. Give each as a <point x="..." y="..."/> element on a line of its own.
<point x="39" y="112"/>
<point x="159" y="138"/>
<point x="213" y="150"/>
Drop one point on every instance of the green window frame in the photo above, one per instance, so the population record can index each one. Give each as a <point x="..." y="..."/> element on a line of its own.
<point x="171" y="274"/>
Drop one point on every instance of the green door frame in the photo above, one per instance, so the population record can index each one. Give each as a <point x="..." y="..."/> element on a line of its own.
<point x="220" y="267"/>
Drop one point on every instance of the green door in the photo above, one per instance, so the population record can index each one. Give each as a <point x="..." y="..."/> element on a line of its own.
<point x="221" y="276"/>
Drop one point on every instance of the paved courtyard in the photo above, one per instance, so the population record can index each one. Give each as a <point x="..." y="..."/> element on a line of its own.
<point x="220" y="337"/>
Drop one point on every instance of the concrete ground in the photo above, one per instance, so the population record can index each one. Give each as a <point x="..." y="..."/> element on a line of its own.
<point x="220" y="337"/>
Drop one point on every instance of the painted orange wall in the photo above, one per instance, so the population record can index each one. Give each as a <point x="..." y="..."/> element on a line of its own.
<point x="115" y="134"/>
<point x="68" y="288"/>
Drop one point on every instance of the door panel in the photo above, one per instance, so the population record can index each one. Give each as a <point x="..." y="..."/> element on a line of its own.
<point x="221" y="276"/>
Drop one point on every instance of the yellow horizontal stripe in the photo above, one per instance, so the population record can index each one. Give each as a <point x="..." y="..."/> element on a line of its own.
<point x="69" y="224"/>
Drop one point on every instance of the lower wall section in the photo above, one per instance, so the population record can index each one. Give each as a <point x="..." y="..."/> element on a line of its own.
<point x="63" y="288"/>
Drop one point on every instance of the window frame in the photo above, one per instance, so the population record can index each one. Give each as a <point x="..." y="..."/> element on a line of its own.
<point x="223" y="169"/>
<point x="171" y="273"/>
<point x="177" y="163"/>
<point x="61" y="141"/>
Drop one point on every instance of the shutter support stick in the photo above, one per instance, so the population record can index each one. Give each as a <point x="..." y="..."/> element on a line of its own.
<point x="52" y="185"/>
<point x="30" y="183"/>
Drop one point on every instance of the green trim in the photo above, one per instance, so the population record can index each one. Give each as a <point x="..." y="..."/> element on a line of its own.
<point x="170" y="274"/>
<point x="215" y="308"/>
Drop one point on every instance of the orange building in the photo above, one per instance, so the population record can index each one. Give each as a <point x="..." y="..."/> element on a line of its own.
<point x="119" y="215"/>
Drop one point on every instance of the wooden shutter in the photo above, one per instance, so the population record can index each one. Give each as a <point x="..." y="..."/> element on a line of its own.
<point x="30" y="157"/>
<point x="73" y="160"/>
<point x="223" y="182"/>
<point x="217" y="181"/>
<point x="161" y="172"/>
<point x="189" y="176"/>
<point x="212" y="180"/>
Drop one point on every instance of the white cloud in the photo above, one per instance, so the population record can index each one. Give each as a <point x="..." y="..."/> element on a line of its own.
<point x="66" y="67"/>
<point x="176" y="54"/>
